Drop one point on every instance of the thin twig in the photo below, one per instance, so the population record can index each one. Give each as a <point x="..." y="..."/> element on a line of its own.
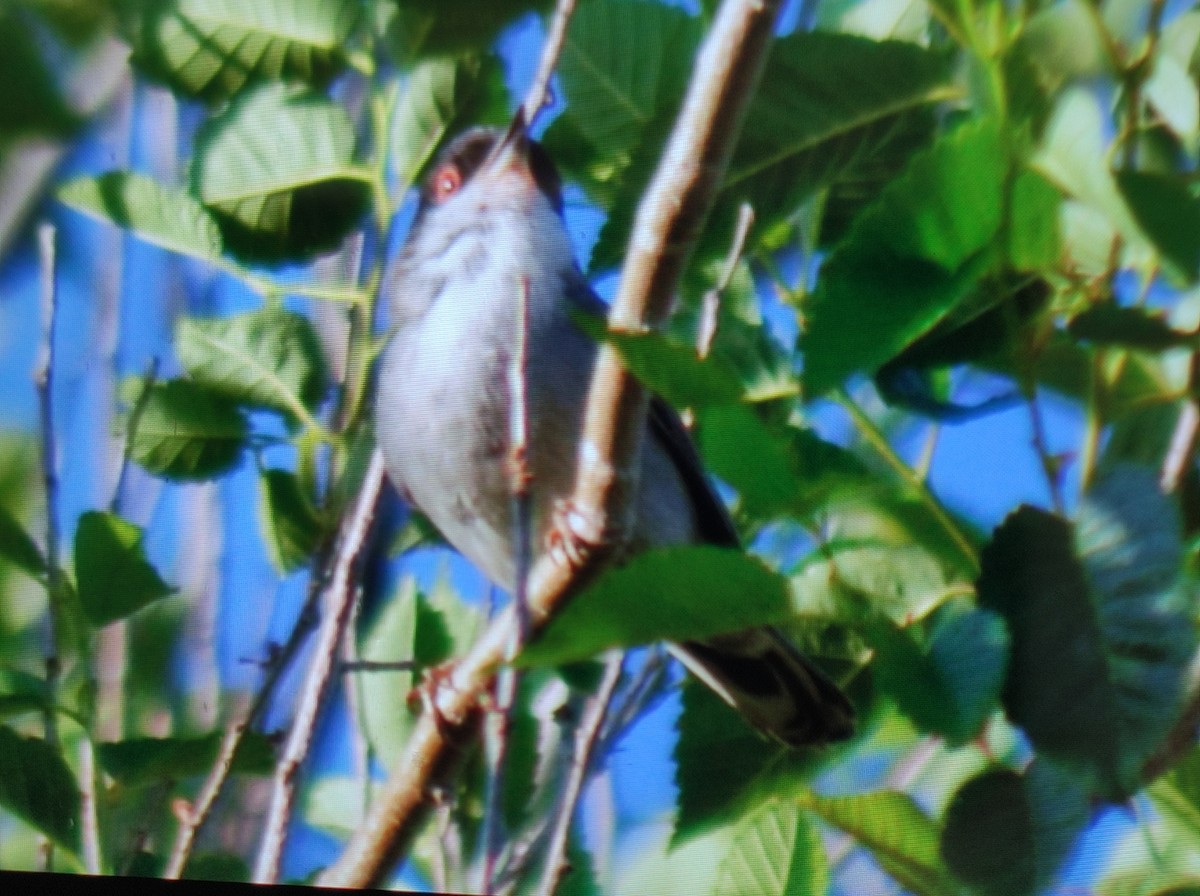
<point x="1051" y="465"/>
<point x="668" y="220"/>
<point x="711" y="303"/>
<point x="43" y="379"/>
<point x="338" y="599"/>
<point x="538" y="94"/>
<point x="191" y="820"/>
<point x="149" y="379"/>
<point x="89" y="823"/>
<point x="583" y="757"/>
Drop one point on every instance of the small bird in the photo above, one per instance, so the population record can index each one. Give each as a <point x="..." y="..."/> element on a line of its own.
<point x="487" y="242"/>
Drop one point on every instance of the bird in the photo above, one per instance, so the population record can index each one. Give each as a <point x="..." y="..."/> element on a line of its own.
<point x="487" y="254"/>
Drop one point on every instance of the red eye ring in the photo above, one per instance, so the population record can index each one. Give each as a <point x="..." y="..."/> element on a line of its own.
<point x="446" y="181"/>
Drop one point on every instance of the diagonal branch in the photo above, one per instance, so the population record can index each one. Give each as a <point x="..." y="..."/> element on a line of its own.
<point x="669" y="219"/>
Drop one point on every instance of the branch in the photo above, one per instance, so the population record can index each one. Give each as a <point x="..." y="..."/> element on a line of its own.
<point x="339" y="599"/>
<point x="538" y="95"/>
<point x="669" y="218"/>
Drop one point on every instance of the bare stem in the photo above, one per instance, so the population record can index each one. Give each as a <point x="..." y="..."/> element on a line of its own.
<point x="587" y="740"/>
<point x="337" y="603"/>
<point x="536" y="98"/>
<point x="43" y="378"/>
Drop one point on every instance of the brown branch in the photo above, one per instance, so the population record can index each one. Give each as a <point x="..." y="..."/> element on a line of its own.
<point x="669" y="219"/>
<point x="556" y="35"/>
<point x="338" y="601"/>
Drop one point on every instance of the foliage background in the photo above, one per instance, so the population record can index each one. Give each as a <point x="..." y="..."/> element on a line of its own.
<point x="950" y="399"/>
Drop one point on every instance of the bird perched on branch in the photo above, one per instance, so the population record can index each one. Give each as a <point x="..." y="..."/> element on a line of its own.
<point x="488" y="266"/>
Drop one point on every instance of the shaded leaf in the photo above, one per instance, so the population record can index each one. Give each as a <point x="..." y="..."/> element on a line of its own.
<point x="144" y="760"/>
<point x="950" y="684"/>
<point x="1008" y="832"/>
<point x="440" y="98"/>
<point x="37" y="786"/>
<point x="1134" y="327"/>
<point x="897" y="833"/>
<point x="115" y="578"/>
<point x="17" y="547"/>
<point x="34" y="103"/>
<point x="423" y="27"/>
<point x="271" y="205"/>
<point x="743" y="451"/>
<point x="392" y="636"/>
<point x="213" y="48"/>
<point x="1100" y="624"/>
<point x="910" y="259"/>
<point x="154" y="212"/>
<point x="187" y="432"/>
<point x="664" y="594"/>
<point x="1169" y="215"/>
<point x="291" y="524"/>
<point x="269" y="357"/>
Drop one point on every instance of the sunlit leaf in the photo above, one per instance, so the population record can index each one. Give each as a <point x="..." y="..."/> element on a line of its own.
<point x="213" y="48"/>
<point x="188" y="432"/>
<point x="156" y="213"/>
<point x="38" y="786"/>
<point x="275" y="205"/>
<point x="775" y="852"/>
<point x="270" y="357"/>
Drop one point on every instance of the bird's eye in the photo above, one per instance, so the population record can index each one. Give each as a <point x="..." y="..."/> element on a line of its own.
<point x="446" y="181"/>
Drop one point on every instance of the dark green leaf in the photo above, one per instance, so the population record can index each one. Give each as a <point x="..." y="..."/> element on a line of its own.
<point x="275" y="205"/>
<point x="115" y="578"/>
<point x="291" y="525"/>
<point x="270" y="357"/>
<point x="1100" y="623"/>
<point x="718" y="758"/>
<point x="1133" y="327"/>
<point x="34" y="103"/>
<point x="158" y="214"/>
<point x="1169" y="215"/>
<point x="423" y="27"/>
<point x="188" y="432"/>
<point x="742" y="450"/>
<point x="441" y="97"/>
<point x="213" y="48"/>
<point x="149" y="759"/>
<point x="666" y="594"/>
<point x="1007" y="833"/>
<point x="216" y="866"/>
<point x="775" y="852"/>
<point x="580" y="876"/>
<point x="17" y="547"/>
<point x="671" y="370"/>
<point x="950" y="684"/>
<point x="37" y="786"/>
<point x="898" y="834"/>
<point x="910" y="259"/>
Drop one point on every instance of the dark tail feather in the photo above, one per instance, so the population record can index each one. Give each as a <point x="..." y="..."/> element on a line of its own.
<point x="777" y="690"/>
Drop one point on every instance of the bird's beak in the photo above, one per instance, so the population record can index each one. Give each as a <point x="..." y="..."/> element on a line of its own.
<point x="512" y="150"/>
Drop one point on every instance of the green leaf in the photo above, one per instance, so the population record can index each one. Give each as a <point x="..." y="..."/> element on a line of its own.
<point x="37" y="786"/>
<point x="34" y="103"/>
<point x="719" y="759"/>
<point x="1101" y="625"/>
<point x="1033" y="239"/>
<point x="115" y="578"/>
<point x="743" y="451"/>
<point x="275" y="205"/>
<point x="422" y="27"/>
<point x="213" y="48"/>
<point x="912" y="257"/>
<point x="949" y="685"/>
<point x="158" y="214"/>
<point x="440" y="98"/>
<point x="17" y="547"/>
<point x="271" y="358"/>
<point x="1169" y="215"/>
<point x="897" y="833"/>
<point x="668" y="368"/>
<point x="216" y="866"/>
<point x="829" y="107"/>
<point x="188" y="432"/>
<point x="1177" y="793"/>
<point x="664" y="594"/>
<point x="1133" y="327"/>
<point x="292" y="527"/>
<point x="392" y="636"/>
<point x="775" y="852"/>
<point x="145" y="760"/>
<point x="1007" y="833"/>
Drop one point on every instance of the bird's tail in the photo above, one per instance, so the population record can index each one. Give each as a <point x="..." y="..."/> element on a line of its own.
<point x="777" y="690"/>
